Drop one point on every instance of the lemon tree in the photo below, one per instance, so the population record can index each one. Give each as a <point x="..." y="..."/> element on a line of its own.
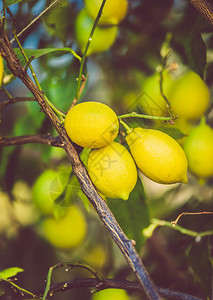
<point x="114" y="11"/>
<point x="91" y="124"/>
<point x="190" y="96"/>
<point x="158" y="155"/>
<point x="103" y="37"/>
<point x="199" y="150"/>
<point x="66" y="232"/>
<point x="111" y="294"/>
<point x="112" y="170"/>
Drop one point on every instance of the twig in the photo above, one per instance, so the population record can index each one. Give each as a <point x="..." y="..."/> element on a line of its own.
<point x="83" y="80"/>
<point x="28" y="139"/>
<point x="136" y="115"/>
<point x="205" y="8"/>
<point x="36" y="19"/>
<point x="119" y="237"/>
<point x="174" y="223"/>
<point x="10" y="101"/>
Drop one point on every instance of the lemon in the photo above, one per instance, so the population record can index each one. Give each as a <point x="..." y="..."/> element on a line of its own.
<point x="111" y="294"/>
<point x="199" y="150"/>
<point x="1" y="69"/>
<point x="103" y="37"/>
<point x="113" y="12"/>
<point x="67" y="232"/>
<point x="112" y="170"/>
<point x="158" y="155"/>
<point x="190" y="96"/>
<point x="151" y="101"/>
<point x="92" y="124"/>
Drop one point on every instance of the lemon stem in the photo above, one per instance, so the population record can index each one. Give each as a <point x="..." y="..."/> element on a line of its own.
<point x="87" y="47"/>
<point x="136" y="115"/>
<point x="128" y="129"/>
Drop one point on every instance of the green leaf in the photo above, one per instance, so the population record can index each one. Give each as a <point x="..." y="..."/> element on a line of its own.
<point x="11" y="2"/>
<point x="36" y="53"/>
<point x="199" y="259"/>
<point x="174" y="132"/>
<point x="132" y="215"/>
<point x="196" y="52"/>
<point x="10" y="272"/>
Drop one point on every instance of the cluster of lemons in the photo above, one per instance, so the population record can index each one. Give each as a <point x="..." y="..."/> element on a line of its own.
<point x="111" y="167"/>
<point x="106" y="31"/>
<point x="189" y="97"/>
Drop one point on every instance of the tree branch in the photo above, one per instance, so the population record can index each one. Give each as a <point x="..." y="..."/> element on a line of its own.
<point x="205" y="8"/>
<point x="5" y="103"/>
<point x="125" y="245"/>
<point x="28" y="139"/>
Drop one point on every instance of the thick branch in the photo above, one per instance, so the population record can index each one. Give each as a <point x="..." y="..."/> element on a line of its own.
<point x="5" y="103"/>
<point x="125" y="245"/>
<point x="28" y="139"/>
<point x="205" y="8"/>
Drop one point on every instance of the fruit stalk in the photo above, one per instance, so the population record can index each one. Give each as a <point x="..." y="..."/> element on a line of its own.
<point x="125" y="245"/>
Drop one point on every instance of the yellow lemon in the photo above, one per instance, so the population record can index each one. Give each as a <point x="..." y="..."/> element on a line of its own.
<point x="111" y="294"/>
<point x="199" y="150"/>
<point x="1" y="69"/>
<point x="113" y="12"/>
<point x="112" y="170"/>
<point x="190" y="96"/>
<point x="92" y="124"/>
<point x="151" y="100"/>
<point x="66" y="232"/>
<point x="158" y="155"/>
<point x="103" y="37"/>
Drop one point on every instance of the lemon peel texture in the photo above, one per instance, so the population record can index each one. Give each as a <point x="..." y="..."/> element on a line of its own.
<point x="92" y="124"/>
<point x="158" y="155"/>
<point x="112" y="170"/>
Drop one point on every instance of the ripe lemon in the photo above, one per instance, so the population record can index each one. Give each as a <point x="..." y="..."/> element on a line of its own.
<point x="66" y="232"/>
<point x="151" y="101"/>
<point x="190" y="96"/>
<point x="158" y="155"/>
<point x="111" y="294"/>
<point x="92" y="124"/>
<point x="112" y="170"/>
<point x="103" y="37"/>
<point x="1" y="69"/>
<point x="113" y="12"/>
<point x="199" y="150"/>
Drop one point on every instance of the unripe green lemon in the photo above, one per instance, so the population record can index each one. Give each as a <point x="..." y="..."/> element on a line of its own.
<point x="113" y="12"/>
<point x="199" y="150"/>
<point x="103" y="37"/>
<point x="111" y="294"/>
<point x="112" y="170"/>
<point x="158" y="156"/>
<point x="190" y="96"/>
<point x="151" y="101"/>
<point x="92" y="124"/>
<point x="41" y="194"/>
<point x="67" y="232"/>
<point x="1" y="69"/>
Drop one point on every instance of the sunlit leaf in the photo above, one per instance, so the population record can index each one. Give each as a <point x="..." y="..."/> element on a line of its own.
<point x="132" y="215"/>
<point x="11" y="2"/>
<point x="174" y="132"/>
<point x="10" y="272"/>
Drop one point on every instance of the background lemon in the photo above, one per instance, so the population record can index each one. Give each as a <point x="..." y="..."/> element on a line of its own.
<point x="199" y="150"/>
<point x="68" y="231"/>
<point x="111" y="294"/>
<point x="103" y="37"/>
<point x="1" y="69"/>
<point x="151" y="101"/>
<point x="112" y="170"/>
<point x="91" y="124"/>
<point x="113" y="12"/>
<point x="190" y="96"/>
<point x="158" y="155"/>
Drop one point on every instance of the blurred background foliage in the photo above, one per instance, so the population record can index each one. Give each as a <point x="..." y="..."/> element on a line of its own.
<point x="115" y="77"/>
